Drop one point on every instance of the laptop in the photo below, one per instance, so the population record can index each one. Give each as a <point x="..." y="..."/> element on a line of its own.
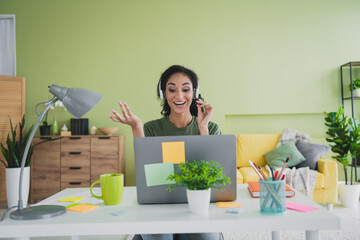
<point x="149" y="155"/>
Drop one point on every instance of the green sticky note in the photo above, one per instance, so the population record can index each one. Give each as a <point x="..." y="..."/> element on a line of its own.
<point x="156" y="174"/>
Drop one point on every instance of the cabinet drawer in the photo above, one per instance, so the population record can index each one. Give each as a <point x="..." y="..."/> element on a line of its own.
<point x="102" y="166"/>
<point x="75" y="144"/>
<point x="76" y="174"/>
<point x="75" y="159"/>
<point x="104" y="144"/>
<point x="52" y="146"/>
<point x="74" y="184"/>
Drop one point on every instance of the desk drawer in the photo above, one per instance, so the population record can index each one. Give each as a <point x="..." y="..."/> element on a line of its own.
<point x="75" y="144"/>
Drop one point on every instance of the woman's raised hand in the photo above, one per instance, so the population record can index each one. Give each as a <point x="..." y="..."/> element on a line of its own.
<point x="205" y="112"/>
<point x="128" y="118"/>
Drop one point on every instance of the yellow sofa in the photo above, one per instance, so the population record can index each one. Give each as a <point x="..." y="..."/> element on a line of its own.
<point x="254" y="146"/>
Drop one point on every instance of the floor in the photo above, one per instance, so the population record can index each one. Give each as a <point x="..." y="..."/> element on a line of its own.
<point x="350" y="230"/>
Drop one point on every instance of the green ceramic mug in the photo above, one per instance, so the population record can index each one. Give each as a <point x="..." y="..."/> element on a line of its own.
<point x="112" y="186"/>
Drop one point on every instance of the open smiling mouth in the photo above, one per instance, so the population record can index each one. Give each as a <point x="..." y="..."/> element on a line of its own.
<point x="179" y="103"/>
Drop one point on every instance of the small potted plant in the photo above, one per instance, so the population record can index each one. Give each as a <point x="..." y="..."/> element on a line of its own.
<point x="344" y="135"/>
<point x="45" y="129"/>
<point x="198" y="177"/>
<point x="355" y="87"/>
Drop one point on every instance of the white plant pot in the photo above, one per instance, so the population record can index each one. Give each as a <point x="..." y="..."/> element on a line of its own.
<point x="199" y="200"/>
<point x="12" y="186"/>
<point x="349" y="194"/>
<point x="356" y="92"/>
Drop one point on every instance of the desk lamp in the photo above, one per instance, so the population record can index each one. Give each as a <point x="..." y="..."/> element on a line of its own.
<point x="78" y="102"/>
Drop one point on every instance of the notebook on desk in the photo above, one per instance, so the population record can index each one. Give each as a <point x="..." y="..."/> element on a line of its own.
<point x="152" y="160"/>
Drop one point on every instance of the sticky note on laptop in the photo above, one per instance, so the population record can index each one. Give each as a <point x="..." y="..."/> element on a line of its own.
<point x="156" y="174"/>
<point x="173" y="152"/>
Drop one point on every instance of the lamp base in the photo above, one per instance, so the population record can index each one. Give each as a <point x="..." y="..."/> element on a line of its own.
<point x="38" y="212"/>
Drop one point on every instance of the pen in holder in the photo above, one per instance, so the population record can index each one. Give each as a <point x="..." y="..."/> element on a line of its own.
<point x="272" y="197"/>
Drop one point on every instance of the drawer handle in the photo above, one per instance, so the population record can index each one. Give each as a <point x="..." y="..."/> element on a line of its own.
<point x="75" y="137"/>
<point x="74" y="153"/>
<point x="74" y="183"/>
<point x="74" y="168"/>
<point x="104" y="137"/>
<point x="45" y="138"/>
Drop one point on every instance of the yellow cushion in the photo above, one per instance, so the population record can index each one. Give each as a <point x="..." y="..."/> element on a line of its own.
<point x="249" y="174"/>
<point x="239" y="177"/>
<point x="319" y="183"/>
<point x="253" y="147"/>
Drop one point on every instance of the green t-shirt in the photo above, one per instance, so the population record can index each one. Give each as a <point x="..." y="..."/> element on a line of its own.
<point x="163" y="127"/>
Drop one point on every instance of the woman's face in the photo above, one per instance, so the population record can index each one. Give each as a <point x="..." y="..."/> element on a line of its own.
<point x="179" y="93"/>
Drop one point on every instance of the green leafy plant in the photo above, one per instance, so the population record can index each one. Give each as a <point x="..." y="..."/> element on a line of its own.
<point x="14" y="147"/>
<point x="344" y="136"/>
<point x="356" y="84"/>
<point x="198" y="175"/>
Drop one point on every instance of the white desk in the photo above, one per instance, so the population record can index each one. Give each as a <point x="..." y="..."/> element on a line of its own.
<point x="169" y="218"/>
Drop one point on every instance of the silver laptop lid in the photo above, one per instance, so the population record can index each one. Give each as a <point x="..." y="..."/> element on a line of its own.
<point x="217" y="148"/>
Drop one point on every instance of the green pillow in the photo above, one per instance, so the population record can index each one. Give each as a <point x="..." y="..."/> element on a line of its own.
<point x="276" y="158"/>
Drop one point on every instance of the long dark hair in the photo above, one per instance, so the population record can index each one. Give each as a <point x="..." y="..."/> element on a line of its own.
<point x="163" y="80"/>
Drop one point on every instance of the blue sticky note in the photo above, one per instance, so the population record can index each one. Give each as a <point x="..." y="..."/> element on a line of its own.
<point x="119" y="213"/>
<point x="156" y="174"/>
<point x="234" y="210"/>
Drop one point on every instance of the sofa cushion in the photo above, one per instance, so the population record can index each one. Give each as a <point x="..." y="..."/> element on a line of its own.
<point x="239" y="177"/>
<point x="312" y="153"/>
<point x="320" y="181"/>
<point x="249" y="174"/>
<point x="277" y="156"/>
<point x="253" y="147"/>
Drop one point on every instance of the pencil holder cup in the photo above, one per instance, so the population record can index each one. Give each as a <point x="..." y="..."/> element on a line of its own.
<point x="272" y="197"/>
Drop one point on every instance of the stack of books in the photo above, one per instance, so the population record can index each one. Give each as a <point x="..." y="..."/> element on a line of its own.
<point x="253" y="187"/>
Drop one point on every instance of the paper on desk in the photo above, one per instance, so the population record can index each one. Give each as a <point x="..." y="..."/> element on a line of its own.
<point x="71" y="199"/>
<point x="300" y="207"/>
<point x="228" y="205"/>
<point x="87" y="198"/>
<point x="173" y="152"/>
<point x="82" y="208"/>
<point x="156" y="174"/>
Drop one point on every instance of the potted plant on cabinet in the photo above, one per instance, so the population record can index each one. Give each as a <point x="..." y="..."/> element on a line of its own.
<point x="198" y="177"/>
<point x="13" y="151"/>
<point x="46" y="128"/>
<point x="344" y="135"/>
<point x="356" y="87"/>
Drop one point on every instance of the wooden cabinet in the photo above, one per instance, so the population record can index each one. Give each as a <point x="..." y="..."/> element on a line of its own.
<point x="74" y="161"/>
<point x="12" y="105"/>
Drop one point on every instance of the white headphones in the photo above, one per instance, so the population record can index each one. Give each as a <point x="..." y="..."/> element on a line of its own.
<point x="161" y="94"/>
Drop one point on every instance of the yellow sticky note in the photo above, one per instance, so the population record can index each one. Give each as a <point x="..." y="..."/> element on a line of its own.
<point x="228" y="204"/>
<point x="71" y="199"/>
<point x="173" y="152"/>
<point x="83" y="208"/>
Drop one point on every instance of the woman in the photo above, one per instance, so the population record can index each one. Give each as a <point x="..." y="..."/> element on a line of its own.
<point x="185" y="113"/>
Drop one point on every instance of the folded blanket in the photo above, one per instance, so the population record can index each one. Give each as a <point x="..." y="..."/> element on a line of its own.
<point x="293" y="135"/>
<point x="301" y="179"/>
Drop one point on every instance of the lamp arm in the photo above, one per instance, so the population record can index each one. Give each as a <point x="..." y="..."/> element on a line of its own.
<point x="41" y="117"/>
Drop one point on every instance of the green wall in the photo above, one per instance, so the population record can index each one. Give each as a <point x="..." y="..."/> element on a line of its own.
<point x="253" y="58"/>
